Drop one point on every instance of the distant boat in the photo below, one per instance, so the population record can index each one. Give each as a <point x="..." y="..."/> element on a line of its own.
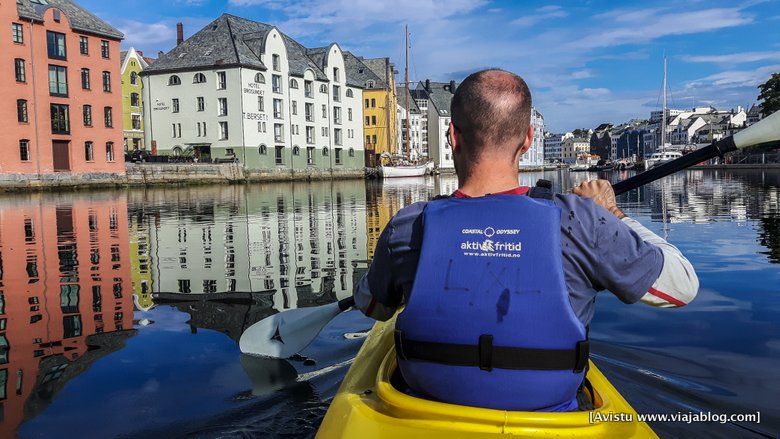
<point x="584" y="162"/>
<point x="661" y="157"/>
<point x="405" y="170"/>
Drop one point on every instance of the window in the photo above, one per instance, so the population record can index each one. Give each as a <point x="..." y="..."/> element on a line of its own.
<point x="19" y="70"/>
<point x="60" y="119"/>
<point x="21" y="111"/>
<point x="89" y="151"/>
<point x="337" y="152"/>
<point x="278" y="113"/>
<point x="18" y="33"/>
<point x="260" y="126"/>
<point x="296" y="150"/>
<point x="24" y="150"/>
<point x="309" y="134"/>
<point x="349" y="93"/>
<point x="260" y="78"/>
<point x="307" y="88"/>
<point x="336" y="93"/>
<point x="325" y="151"/>
<point x="368" y="120"/>
<point x="109" y="151"/>
<point x="260" y="104"/>
<point x="87" y="112"/>
<point x="373" y="139"/>
<point x="336" y="74"/>
<point x="221" y="80"/>
<point x="278" y="132"/>
<point x="276" y="83"/>
<point x="310" y="155"/>
<point x="135" y="120"/>
<point x="104" y="50"/>
<point x="337" y="115"/>
<point x="223" y="130"/>
<point x="108" y="117"/>
<point x="199" y="78"/>
<point x="279" y="154"/>
<point x="84" y="45"/>
<point x="323" y="88"/>
<point x="175" y="105"/>
<point x="294" y="108"/>
<point x="293" y="83"/>
<point x="263" y="150"/>
<point x="174" y="80"/>
<point x="324" y="111"/>
<point x="276" y="63"/>
<point x="373" y="103"/>
<point x="373" y="120"/>
<point x="175" y="133"/>
<point x="58" y="81"/>
<point x="222" y="107"/>
<point x="369" y="84"/>
<point x="309" y="111"/>
<point x="133" y="78"/>
<point x="351" y="152"/>
<point x="367" y="102"/>
<point x="201" y="103"/>
<point x="85" y="81"/>
<point x="55" y="45"/>
<point x="135" y="100"/>
<point x="337" y="136"/>
<point x="349" y="114"/>
<point x="107" y="82"/>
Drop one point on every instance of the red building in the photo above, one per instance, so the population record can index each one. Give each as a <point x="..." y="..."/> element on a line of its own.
<point x="65" y="295"/>
<point x="61" y="110"/>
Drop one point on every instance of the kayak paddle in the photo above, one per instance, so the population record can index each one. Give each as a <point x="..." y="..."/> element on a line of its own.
<point x="289" y="332"/>
<point x="765" y="132"/>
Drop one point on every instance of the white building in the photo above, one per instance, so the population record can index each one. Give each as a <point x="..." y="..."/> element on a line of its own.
<point x="534" y="157"/>
<point x="242" y="90"/>
<point x="571" y="147"/>
<point x="414" y="119"/>
<point x="439" y="96"/>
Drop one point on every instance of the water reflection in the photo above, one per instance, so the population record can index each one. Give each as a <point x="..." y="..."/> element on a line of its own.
<point x="65" y="297"/>
<point x="205" y="263"/>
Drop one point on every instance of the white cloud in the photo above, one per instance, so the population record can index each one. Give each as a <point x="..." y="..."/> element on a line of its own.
<point x="138" y="33"/>
<point x="544" y="13"/>
<point x="736" y="78"/>
<point x="734" y="58"/>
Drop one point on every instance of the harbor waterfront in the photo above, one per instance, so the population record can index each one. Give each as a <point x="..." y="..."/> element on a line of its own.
<point x="122" y="308"/>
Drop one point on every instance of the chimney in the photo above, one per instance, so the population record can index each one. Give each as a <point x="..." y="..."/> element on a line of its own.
<point x="452" y="87"/>
<point x="179" y="33"/>
<point x="160" y="54"/>
<point x="428" y="85"/>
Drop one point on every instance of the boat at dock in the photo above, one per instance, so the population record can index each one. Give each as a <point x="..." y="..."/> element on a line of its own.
<point x="584" y="162"/>
<point x="661" y="157"/>
<point x="411" y="170"/>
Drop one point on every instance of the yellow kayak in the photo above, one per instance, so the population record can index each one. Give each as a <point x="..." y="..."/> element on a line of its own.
<point x="368" y="406"/>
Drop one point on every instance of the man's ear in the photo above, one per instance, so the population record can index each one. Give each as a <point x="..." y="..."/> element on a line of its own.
<point x="529" y="138"/>
<point x="453" y="137"/>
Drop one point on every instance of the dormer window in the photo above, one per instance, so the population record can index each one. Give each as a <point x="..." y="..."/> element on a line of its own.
<point x="323" y="88"/>
<point x="370" y="84"/>
<point x="174" y="80"/>
<point x="199" y="78"/>
<point x="293" y="83"/>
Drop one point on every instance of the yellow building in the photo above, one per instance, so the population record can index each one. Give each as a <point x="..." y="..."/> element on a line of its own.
<point x="380" y="124"/>
<point x="133" y="62"/>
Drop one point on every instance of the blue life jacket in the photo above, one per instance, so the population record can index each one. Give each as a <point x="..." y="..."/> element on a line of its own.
<point x="489" y="322"/>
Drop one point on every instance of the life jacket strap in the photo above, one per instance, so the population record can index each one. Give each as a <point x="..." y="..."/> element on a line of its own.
<point x="486" y="356"/>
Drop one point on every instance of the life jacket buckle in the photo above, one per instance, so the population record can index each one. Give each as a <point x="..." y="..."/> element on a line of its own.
<point x="486" y="352"/>
<point x="582" y="353"/>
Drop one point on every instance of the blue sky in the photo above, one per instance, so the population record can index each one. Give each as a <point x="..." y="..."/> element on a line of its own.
<point x="586" y="62"/>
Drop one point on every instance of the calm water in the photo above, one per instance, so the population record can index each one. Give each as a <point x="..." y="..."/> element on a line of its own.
<point x="102" y="334"/>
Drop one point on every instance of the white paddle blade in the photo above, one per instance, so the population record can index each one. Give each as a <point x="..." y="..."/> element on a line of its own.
<point x="287" y="333"/>
<point x="763" y="131"/>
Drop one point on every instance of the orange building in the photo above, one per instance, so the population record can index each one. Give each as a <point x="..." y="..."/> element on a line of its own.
<point x="66" y="295"/>
<point x="61" y="109"/>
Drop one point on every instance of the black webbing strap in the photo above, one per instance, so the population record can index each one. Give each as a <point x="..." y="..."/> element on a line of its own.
<point x="486" y="356"/>
<point x="543" y="189"/>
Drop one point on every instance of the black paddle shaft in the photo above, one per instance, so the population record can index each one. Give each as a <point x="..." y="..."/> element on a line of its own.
<point x="702" y="154"/>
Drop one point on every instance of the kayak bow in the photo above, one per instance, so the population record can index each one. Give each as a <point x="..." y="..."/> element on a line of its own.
<point x="368" y="406"/>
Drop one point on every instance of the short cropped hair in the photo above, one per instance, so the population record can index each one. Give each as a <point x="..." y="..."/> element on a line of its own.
<point x="491" y="109"/>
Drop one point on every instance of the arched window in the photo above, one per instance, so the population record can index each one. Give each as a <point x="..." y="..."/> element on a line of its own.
<point x="293" y="83"/>
<point x="352" y="152"/>
<point x="349" y="93"/>
<point x="370" y="84"/>
<point x="199" y="78"/>
<point x="177" y="151"/>
<point x="323" y="88"/>
<point x="133" y="78"/>
<point x="296" y="150"/>
<point x="263" y="149"/>
<point x="174" y="80"/>
<point x="325" y="151"/>
<point x="260" y="78"/>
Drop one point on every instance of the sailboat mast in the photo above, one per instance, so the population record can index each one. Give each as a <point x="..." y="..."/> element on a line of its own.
<point x="663" y="111"/>
<point x="406" y="94"/>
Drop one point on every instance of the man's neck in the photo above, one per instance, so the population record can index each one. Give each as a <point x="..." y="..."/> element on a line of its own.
<point x="481" y="183"/>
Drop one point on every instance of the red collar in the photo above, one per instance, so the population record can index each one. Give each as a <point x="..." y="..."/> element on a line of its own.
<point x="520" y="190"/>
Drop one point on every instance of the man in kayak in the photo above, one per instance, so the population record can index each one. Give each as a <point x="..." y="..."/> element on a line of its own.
<point x="499" y="282"/>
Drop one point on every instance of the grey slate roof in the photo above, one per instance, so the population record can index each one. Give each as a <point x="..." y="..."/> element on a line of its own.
<point x="359" y="74"/>
<point x="440" y="96"/>
<point x="80" y="19"/>
<point x="401" y="92"/>
<point x="122" y="56"/>
<point x="380" y="67"/>
<point x="231" y="41"/>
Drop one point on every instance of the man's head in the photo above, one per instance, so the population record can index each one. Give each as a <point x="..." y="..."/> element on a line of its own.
<point x="491" y="117"/>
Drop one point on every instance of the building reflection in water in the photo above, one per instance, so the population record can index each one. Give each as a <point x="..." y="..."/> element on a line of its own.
<point x="65" y="297"/>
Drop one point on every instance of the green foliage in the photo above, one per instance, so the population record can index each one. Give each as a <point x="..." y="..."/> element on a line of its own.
<point x="770" y="95"/>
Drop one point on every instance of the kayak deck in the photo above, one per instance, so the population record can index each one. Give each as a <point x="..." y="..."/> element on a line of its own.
<point x="367" y="405"/>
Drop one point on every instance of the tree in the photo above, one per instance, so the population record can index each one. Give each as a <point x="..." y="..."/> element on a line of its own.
<point x="770" y="95"/>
